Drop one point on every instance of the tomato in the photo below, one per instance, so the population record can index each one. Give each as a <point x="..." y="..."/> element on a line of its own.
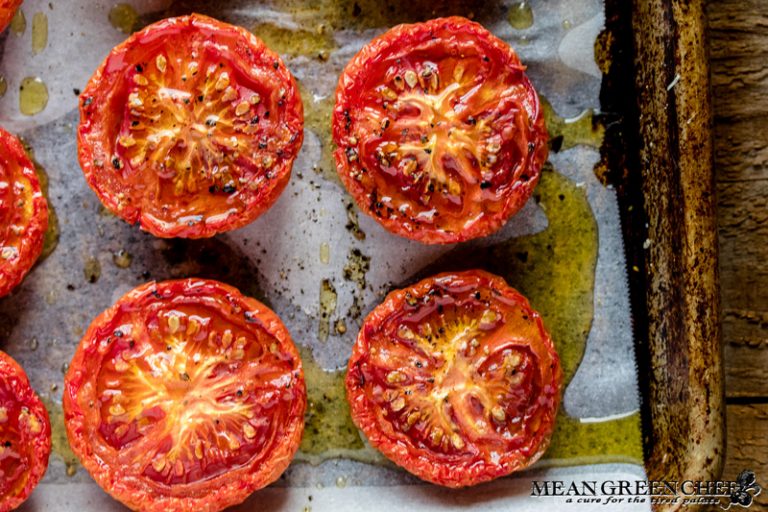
<point x="25" y="435"/>
<point x="7" y="11"/>
<point x="440" y="134"/>
<point x="455" y="379"/>
<point x="185" y="395"/>
<point x="23" y="213"/>
<point x="190" y="128"/>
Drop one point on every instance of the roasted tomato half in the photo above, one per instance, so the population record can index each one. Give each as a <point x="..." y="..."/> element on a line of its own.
<point x="440" y="134"/>
<point x="185" y="395"/>
<point x="25" y="435"/>
<point x="190" y="128"/>
<point x="23" y="213"/>
<point x="7" y="10"/>
<point x="455" y="379"/>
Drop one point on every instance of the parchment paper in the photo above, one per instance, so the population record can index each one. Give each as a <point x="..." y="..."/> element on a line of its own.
<point x="40" y="325"/>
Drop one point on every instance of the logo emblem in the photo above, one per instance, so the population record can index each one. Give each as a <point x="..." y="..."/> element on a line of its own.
<point x="747" y="489"/>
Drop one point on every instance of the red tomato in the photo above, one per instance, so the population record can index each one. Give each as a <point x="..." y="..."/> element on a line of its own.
<point x="455" y="379"/>
<point x="185" y="395"/>
<point x="7" y="10"/>
<point x="23" y="213"/>
<point x="190" y="128"/>
<point x="440" y="134"/>
<point x="25" y="435"/>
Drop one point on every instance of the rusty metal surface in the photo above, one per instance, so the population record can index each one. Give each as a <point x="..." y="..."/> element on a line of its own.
<point x="684" y="375"/>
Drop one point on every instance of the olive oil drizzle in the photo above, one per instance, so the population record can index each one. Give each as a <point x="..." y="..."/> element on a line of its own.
<point x="18" y="23"/>
<point x="33" y="96"/>
<point x="39" y="32"/>
<point x="537" y="265"/>
<point x="565" y="133"/>
<point x="123" y="17"/>
<point x="317" y="41"/>
<point x="59" y="443"/>
<point x="317" y="118"/>
<point x="328" y="428"/>
<point x="52" y="233"/>
<point x="554" y="268"/>
<point x="520" y="16"/>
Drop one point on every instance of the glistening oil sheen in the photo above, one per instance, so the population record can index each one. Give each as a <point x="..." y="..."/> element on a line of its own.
<point x="555" y="269"/>
<point x="52" y="234"/>
<point x="59" y="443"/>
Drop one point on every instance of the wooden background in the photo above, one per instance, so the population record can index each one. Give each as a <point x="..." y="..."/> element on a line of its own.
<point x="738" y="39"/>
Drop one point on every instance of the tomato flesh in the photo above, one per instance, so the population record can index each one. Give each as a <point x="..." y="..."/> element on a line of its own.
<point x="440" y="133"/>
<point x="191" y="386"/>
<point x="7" y="11"/>
<point x="190" y="127"/>
<point x="23" y="213"/>
<point x="459" y="370"/>
<point x="25" y="435"/>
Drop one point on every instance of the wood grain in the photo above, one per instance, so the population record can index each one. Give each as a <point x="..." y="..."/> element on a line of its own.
<point x="738" y="31"/>
<point x="739" y="66"/>
<point x="746" y="441"/>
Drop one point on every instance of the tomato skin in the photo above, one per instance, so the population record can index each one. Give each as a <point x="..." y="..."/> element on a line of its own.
<point x="33" y="434"/>
<point x="7" y="11"/>
<point x="234" y="173"/>
<point x="422" y="181"/>
<point x="22" y="228"/>
<point x="474" y="456"/>
<point x="111" y="467"/>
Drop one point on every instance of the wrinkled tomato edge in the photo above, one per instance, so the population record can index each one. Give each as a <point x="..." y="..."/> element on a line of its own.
<point x="353" y="79"/>
<point x="230" y="488"/>
<point x="91" y="133"/>
<point x="17" y="381"/>
<point x="7" y="11"/>
<point x="418" y="460"/>
<point x="31" y="241"/>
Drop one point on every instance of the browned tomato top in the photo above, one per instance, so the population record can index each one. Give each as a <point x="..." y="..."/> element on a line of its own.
<point x="441" y="137"/>
<point x="190" y="127"/>
<point x="456" y="379"/>
<point x="25" y="435"/>
<point x="184" y="387"/>
<point x="23" y="213"/>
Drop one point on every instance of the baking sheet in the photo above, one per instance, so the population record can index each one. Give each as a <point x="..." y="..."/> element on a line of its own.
<point x="286" y="254"/>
